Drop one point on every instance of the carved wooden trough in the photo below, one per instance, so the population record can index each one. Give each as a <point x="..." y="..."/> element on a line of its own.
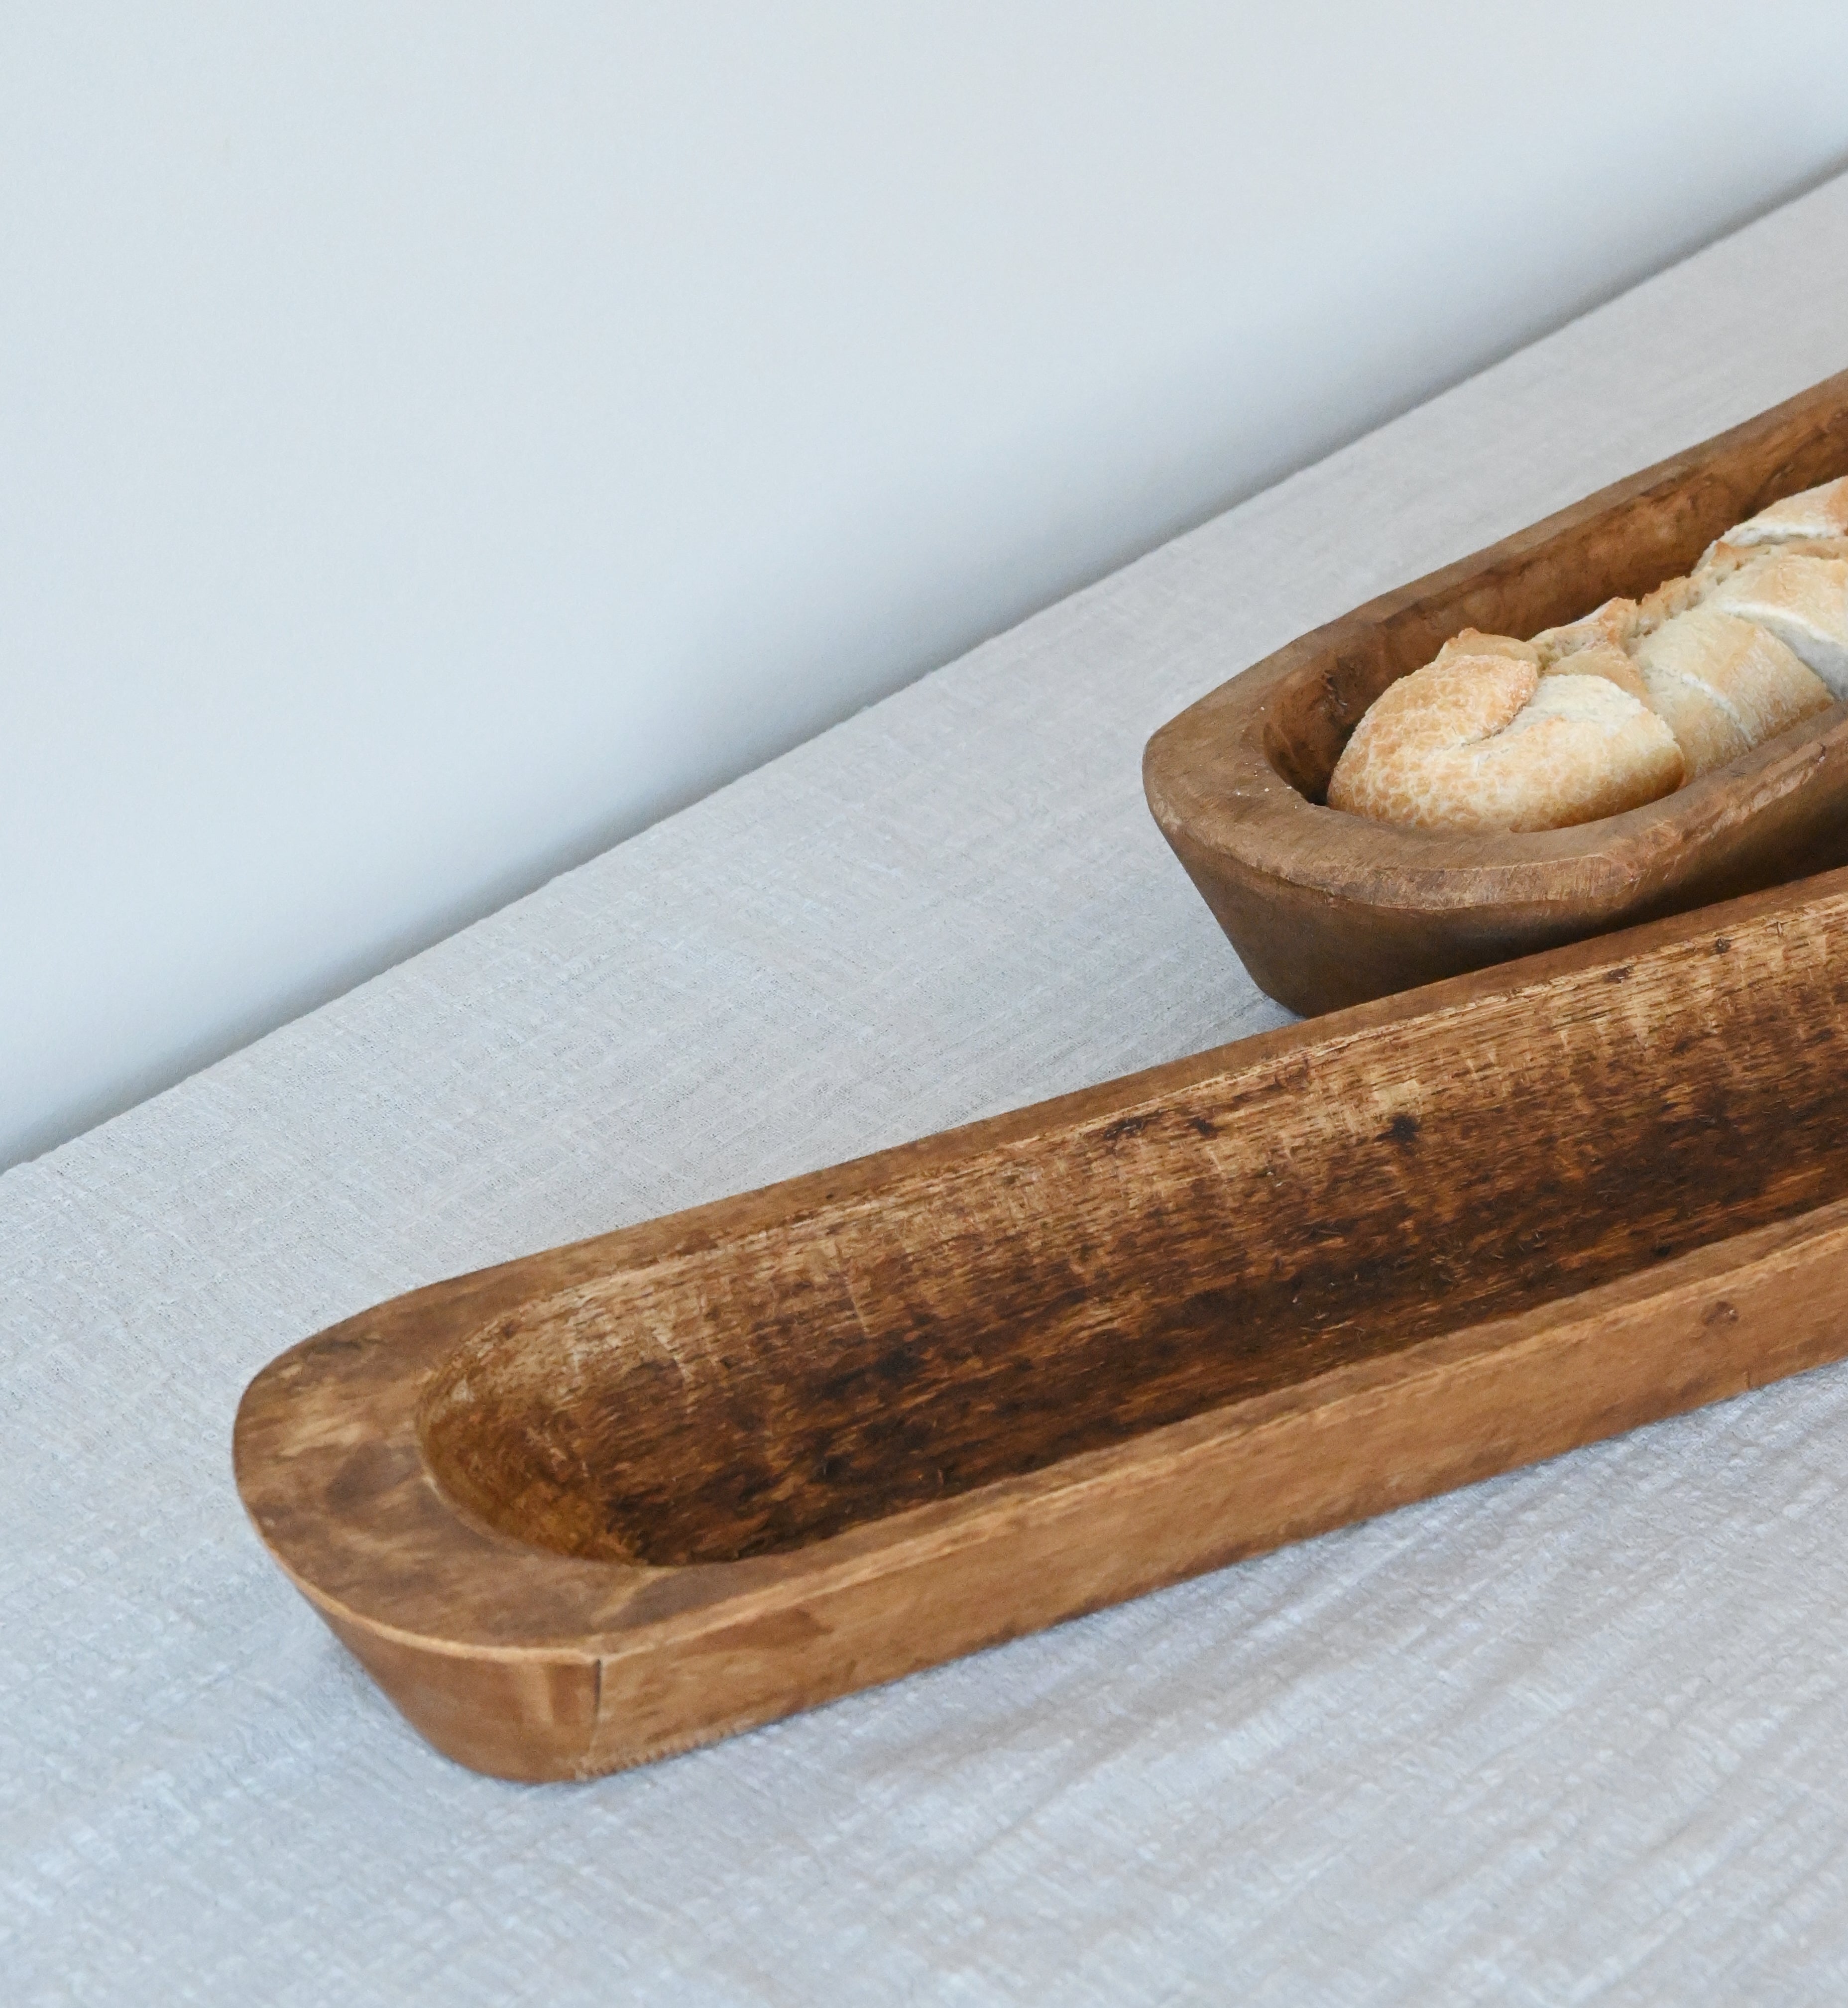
<point x="1327" y="910"/>
<point x="616" y="1499"/>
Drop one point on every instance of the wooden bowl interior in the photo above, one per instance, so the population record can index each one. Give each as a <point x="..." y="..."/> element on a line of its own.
<point x="749" y="1394"/>
<point x="1626" y="549"/>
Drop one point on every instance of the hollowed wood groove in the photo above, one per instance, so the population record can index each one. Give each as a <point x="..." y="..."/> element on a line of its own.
<point x="1031" y="1302"/>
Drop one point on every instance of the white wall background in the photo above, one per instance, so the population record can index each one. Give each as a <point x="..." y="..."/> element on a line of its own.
<point x="436" y="441"/>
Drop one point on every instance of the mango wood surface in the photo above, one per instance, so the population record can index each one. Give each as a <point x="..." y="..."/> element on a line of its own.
<point x="1327" y="910"/>
<point x="603" y="1503"/>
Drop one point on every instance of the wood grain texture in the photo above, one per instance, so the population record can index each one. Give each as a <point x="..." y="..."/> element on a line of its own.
<point x="1327" y="910"/>
<point x="605" y="1502"/>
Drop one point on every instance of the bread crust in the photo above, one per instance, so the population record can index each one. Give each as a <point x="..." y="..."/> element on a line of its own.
<point x="1485" y="742"/>
<point x="1724" y="685"/>
<point x="1611" y="625"/>
<point x="1816" y="512"/>
<point x="1621" y="706"/>
<point x="1802" y="599"/>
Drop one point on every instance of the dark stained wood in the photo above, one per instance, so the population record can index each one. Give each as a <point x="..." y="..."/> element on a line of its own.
<point x="601" y="1504"/>
<point x="1327" y="910"/>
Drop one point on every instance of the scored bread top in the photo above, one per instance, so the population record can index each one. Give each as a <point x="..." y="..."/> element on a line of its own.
<point x="1623" y="706"/>
<point x="1802" y="599"/>
<point x="1816" y="512"/>
<point x="1724" y="685"/>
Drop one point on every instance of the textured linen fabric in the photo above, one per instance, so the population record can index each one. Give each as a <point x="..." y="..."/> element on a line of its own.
<point x="1577" y="1734"/>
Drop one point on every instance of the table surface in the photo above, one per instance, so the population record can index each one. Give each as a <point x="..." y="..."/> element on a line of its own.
<point x="1573" y="1735"/>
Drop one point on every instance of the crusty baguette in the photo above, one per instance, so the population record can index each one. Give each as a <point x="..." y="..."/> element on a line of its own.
<point x="1485" y="742"/>
<point x="1501" y="733"/>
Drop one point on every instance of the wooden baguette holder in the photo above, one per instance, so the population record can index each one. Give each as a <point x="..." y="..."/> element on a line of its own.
<point x="609" y="1501"/>
<point x="1326" y="910"/>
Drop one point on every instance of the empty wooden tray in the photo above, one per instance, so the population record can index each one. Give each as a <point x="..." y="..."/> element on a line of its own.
<point x="614" y="1499"/>
<point x="1326" y="910"/>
